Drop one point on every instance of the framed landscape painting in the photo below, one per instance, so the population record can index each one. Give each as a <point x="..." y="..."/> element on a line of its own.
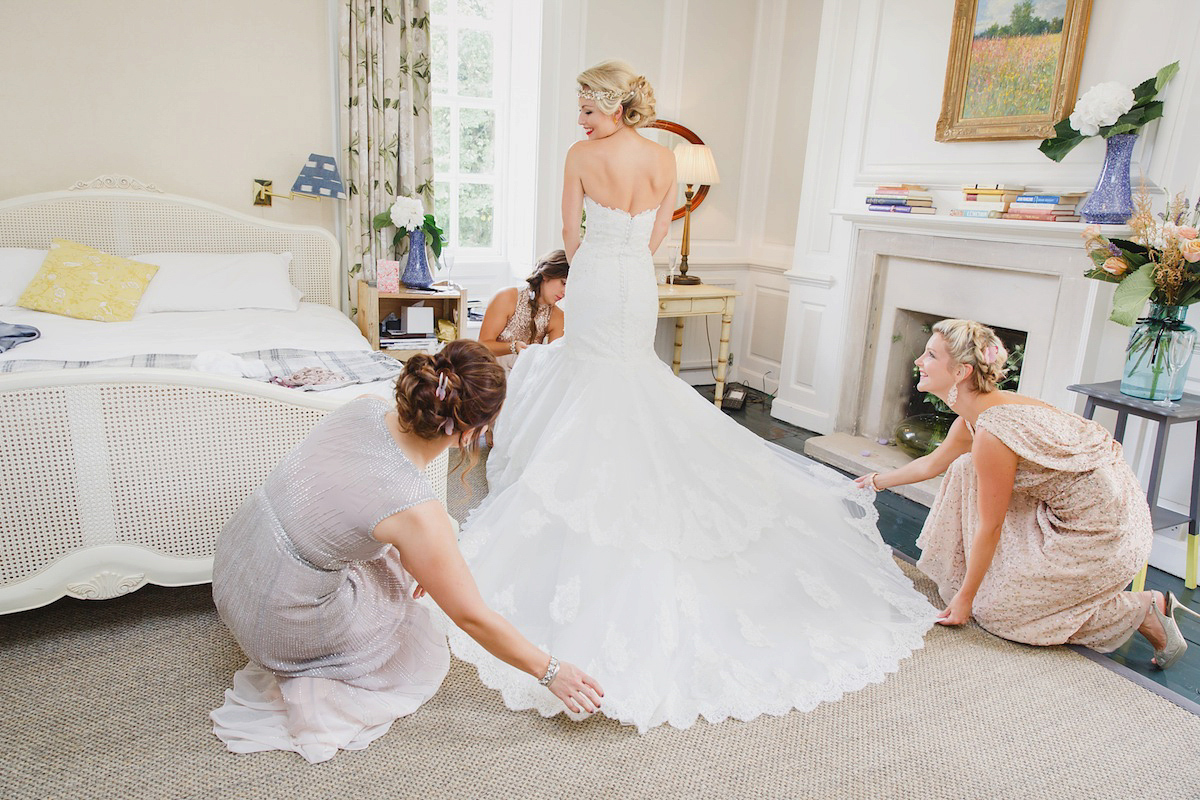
<point x="1013" y="68"/>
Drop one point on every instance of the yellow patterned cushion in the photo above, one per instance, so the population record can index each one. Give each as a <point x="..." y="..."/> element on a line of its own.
<point x="82" y="282"/>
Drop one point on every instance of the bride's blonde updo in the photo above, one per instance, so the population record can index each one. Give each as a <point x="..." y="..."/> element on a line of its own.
<point x="614" y="84"/>
<point x="977" y="345"/>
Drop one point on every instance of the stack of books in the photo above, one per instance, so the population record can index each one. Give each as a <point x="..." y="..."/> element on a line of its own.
<point x="987" y="202"/>
<point x="1046" y="207"/>
<point x="904" y="198"/>
<point x="415" y="342"/>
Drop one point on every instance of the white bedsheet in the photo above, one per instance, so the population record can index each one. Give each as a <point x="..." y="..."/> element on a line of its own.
<point x="313" y="327"/>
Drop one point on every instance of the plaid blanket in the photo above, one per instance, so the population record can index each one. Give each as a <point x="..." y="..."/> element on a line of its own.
<point x="274" y="366"/>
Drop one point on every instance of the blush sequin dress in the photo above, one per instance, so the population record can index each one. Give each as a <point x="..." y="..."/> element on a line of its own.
<point x="338" y="648"/>
<point x="1076" y="532"/>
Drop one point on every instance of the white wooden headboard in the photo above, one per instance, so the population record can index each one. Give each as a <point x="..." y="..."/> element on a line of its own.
<point x="139" y="219"/>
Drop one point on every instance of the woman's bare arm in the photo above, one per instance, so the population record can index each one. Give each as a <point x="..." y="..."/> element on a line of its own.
<point x="498" y="313"/>
<point x="666" y="207"/>
<point x="996" y="471"/>
<point x="425" y="541"/>
<point x="572" y="202"/>
<point x="557" y="326"/>
<point x="957" y="442"/>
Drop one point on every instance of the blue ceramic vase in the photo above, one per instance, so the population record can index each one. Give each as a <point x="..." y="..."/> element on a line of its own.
<point x="417" y="274"/>
<point x="1159" y="354"/>
<point x="1111" y="202"/>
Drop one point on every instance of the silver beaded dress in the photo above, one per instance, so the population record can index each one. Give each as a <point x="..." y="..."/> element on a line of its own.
<point x="338" y="648"/>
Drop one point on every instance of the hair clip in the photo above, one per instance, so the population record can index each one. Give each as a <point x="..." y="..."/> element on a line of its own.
<point x="440" y="394"/>
<point x="989" y="353"/>
<point x="448" y="426"/>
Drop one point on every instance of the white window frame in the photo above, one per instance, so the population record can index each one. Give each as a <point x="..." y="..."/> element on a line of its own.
<point x="516" y="39"/>
<point x="498" y="28"/>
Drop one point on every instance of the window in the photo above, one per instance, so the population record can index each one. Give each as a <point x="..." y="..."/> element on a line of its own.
<point x="470" y="64"/>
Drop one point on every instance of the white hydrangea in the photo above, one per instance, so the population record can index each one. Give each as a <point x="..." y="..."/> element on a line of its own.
<point x="407" y="213"/>
<point x="1101" y="105"/>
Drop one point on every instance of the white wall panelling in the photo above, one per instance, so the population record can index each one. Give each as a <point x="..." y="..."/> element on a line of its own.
<point x="876" y="97"/>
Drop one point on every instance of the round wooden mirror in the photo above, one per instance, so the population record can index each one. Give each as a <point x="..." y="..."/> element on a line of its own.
<point x="670" y="130"/>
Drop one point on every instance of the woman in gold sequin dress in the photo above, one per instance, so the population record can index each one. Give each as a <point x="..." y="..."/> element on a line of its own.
<point x="520" y="316"/>
<point x="318" y="573"/>
<point x="1040" y="524"/>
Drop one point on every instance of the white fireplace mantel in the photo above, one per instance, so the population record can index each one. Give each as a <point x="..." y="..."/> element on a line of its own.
<point x="1013" y="231"/>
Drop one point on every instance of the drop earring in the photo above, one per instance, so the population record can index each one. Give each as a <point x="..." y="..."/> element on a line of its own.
<point x="952" y="395"/>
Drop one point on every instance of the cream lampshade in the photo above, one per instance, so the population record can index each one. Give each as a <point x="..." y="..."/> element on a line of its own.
<point x="694" y="166"/>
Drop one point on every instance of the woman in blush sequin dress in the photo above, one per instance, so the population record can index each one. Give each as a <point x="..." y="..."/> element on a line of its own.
<point x="1039" y="524"/>
<point x="318" y="573"/>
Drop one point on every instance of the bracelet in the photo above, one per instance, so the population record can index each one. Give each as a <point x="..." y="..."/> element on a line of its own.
<point x="871" y="481"/>
<point x="551" y="672"/>
<point x="512" y="347"/>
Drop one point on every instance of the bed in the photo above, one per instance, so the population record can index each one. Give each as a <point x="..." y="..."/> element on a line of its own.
<point x="115" y="477"/>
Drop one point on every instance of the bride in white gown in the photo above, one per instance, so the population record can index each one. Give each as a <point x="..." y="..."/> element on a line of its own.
<point x="634" y="529"/>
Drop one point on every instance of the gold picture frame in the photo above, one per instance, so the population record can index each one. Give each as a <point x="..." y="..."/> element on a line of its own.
<point x="1000" y="101"/>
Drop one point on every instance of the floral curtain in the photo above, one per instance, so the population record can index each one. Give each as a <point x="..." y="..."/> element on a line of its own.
<point x="386" y="118"/>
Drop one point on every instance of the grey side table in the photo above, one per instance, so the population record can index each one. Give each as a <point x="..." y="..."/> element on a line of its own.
<point x="1108" y="395"/>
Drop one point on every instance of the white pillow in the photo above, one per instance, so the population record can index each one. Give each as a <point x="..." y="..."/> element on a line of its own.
<point x="218" y="282"/>
<point x="18" y="265"/>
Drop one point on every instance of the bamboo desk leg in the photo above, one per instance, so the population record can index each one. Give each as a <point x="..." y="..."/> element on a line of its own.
<point x="677" y="357"/>
<point x="723" y="352"/>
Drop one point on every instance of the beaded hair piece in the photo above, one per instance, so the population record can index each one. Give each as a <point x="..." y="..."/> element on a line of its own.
<point x="596" y="94"/>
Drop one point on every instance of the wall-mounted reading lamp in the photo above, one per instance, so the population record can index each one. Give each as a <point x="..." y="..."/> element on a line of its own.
<point x="319" y="178"/>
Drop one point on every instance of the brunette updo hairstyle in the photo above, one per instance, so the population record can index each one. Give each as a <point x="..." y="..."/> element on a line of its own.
<point x="551" y="266"/>
<point x="634" y="94"/>
<point x="978" y="346"/>
<point x="475" y="387"/>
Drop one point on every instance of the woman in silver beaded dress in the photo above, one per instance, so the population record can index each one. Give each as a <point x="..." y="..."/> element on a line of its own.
<point x="318" y="573"/>
<point x="518" y="317"/>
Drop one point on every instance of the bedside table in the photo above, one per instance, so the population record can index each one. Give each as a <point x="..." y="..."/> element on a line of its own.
<point x="373" y="306"/>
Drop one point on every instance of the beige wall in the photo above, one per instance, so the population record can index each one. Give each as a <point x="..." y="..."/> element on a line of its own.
<point x="196" y="98"/>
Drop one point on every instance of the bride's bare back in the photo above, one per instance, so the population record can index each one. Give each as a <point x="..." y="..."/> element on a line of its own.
<point x="624" y="171"/>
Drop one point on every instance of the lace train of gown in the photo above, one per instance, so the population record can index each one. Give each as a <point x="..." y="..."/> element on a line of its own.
<point x="633" y="529"/>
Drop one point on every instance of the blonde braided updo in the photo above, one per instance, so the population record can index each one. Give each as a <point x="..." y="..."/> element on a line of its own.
<point x="977" y="346"/>
<point x="615" y="84"/>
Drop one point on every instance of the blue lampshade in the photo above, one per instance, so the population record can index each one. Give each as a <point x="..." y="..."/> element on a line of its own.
<point x="320" y="178"/>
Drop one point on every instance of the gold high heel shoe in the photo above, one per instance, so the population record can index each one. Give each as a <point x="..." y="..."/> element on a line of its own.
<point x="1176" y="645"/>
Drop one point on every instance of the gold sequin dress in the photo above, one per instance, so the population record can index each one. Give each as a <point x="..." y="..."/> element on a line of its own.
<point x="517" y="327"/>
<point x="1076" y="532"/>
<point x="338" y="648"/>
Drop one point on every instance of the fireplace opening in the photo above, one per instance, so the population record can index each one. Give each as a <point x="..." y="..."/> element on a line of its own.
<point x="920" y="421"/>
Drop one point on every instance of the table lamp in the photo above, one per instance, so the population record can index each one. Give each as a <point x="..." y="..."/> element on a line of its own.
<point x="694" y="166"/>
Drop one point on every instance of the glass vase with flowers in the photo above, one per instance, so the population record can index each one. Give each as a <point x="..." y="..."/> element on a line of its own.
<point x="1116" y="113"/>
<point x="407" y="215"/>
<point x="1159" y="264"/>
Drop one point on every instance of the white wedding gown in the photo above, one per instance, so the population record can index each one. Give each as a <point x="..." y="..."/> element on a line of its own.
<point x="634" y="530"/>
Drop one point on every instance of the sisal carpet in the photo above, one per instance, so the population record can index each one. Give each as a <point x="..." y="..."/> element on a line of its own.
<point x="110" y="699"/>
